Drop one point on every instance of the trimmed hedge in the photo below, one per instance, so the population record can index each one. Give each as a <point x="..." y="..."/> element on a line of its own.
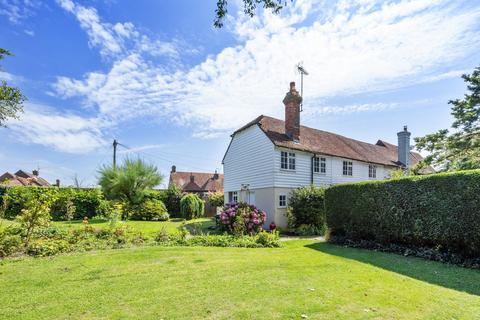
<point x="87" y="202"/>
<point x="306" y="210"/>
<point x="439" y="210"/>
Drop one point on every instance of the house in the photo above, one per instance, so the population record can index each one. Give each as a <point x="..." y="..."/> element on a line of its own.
<point x="268" y="158"/>
<point x="23" y="178"/>
<point x="196" y="182"/>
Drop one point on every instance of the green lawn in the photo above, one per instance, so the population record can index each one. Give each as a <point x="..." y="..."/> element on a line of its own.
<point x="305" y="277"/>
<point x="149" y="228"/>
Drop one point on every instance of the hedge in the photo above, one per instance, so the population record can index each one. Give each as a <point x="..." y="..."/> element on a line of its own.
<point x="306" y="210"/>
<point x="87" y="202"/>
<point x="439" y="210"/>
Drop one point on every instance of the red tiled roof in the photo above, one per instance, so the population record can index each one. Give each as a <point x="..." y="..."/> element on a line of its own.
<point x="202" y="181"/>
<point x="327" y="143"/>
<point x="22" y="178"/>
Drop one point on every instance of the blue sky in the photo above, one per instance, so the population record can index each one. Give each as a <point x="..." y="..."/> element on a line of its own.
<point x="159" y="78"/>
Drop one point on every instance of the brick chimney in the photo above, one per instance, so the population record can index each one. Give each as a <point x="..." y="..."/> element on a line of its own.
<point x="174" y="169"/>
<point x="35" y="173"/>
<point x="404" y="147"/>
<point x="192" y="178"/>
<point x="292" y="103"/>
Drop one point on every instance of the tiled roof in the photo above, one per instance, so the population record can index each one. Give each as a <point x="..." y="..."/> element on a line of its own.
<point x="202" y="181"/>
<point x="327" y="143"/>
<point x="22" y="178"/>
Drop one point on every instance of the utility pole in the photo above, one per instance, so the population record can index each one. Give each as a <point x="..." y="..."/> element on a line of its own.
<point x="115" y="143"/>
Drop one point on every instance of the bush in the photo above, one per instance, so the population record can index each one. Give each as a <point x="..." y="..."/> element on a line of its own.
<point x="440" y="210"/>
<point x="261" y="240"/>
<point x="216" y="199"/>
<point x="306" y="210"/>
<point x="191" y="206"/>
<point x="151" y="210"/>
<point x="84" y="202"/>
<point x="47" y="247"/>
<point x="10" y="241"/>
<point x="241" y="218"/>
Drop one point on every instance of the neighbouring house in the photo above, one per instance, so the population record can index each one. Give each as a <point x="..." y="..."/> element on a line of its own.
<point x="23" y="178"/>
<point x="196" y="182"/>
<point x="268" y="158"/>
<point x="201" y="183"/>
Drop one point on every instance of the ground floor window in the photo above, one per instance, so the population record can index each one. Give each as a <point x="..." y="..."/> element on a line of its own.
<point x="372" y="171"/>
<point x="347" y="168"/>
<point x="282" y="201"/>
<point x="233" y="197"/>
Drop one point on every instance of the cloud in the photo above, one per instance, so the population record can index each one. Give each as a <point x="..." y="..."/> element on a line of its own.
<point x="141" y="148"/>
<point x="70" y="133"/>
<point x="18" y="10"/>
<point x="30" y="33"/>
<point x="117" y="39"/>
<point x="352" y="47"/>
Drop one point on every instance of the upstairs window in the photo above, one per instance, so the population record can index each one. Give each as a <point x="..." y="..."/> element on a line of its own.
<point x="347" y="168"/>
<point x="287" y="160"/>
<point x="319" y="165"/>
<point x="372" y="171"/>
<point x="282" y="201"/>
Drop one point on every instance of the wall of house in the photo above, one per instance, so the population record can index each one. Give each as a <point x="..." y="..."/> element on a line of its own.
<point x="249" y="160"/>
<point x="301" y="176"/>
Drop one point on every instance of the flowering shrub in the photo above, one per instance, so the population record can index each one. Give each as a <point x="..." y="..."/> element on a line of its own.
<point x="241" y="218"/>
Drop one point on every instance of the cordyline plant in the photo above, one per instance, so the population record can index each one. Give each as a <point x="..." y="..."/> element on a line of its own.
<point x="241" y="219"/>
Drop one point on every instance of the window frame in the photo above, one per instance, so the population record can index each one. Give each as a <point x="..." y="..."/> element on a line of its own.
<point x="319" y="165"/>
<point x="233" y="197"/>
<point x="347" y="168"/>
<point x="372" y="171"/>
<point x="280" y="201"/>
<point x="288" y="160"/>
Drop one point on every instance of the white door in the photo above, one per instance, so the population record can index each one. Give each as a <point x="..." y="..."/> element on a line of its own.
<point x="251" y="197"/>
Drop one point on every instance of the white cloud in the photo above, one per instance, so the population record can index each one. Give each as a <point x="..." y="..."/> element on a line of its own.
<point x="358" y="46"/>
<point x="30" y="33"/>
<point x="17" y="10"/>
<point x="141" y="148"/>
<point x="70" y="133"/>
<point x="117" y="39"/>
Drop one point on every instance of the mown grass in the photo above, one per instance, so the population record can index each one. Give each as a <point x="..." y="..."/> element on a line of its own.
<point x="149" y="228"/>
<point x="304" y="277"/>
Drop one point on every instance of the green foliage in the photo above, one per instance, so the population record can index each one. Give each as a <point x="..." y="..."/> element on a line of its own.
<point x="65" y="202"/>
<point x="306" y="210"/>
<point x="459" y="150"/>
<point x="152" y="210"/>
<point x="249" y="8"/>
<point x="216" y="199"/>
<point x="173" y="195"/>
<point x="11" y="98"/>
<point x="10" y="241"/>
<point x="191" y="206"/>
<point x="261" y="240"/>
<point x="35" y="214"/>
<point x="129" y="182"/>
<point x="435" y="210"/>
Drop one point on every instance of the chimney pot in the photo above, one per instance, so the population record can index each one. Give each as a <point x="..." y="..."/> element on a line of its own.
<point x="192" y="178"/>
<point x="57" y="183"/>
<point x="35" y="173"/>
<point x="215" y="175"/>
<point x="174" y="169"/>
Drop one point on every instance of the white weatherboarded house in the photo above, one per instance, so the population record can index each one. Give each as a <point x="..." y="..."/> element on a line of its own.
<point x="268" y="158"/>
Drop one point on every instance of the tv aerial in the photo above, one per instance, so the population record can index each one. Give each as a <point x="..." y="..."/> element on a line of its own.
<point x="300" y="69"/>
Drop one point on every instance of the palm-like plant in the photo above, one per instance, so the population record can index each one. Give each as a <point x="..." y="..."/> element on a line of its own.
<point x="129" y="182"/>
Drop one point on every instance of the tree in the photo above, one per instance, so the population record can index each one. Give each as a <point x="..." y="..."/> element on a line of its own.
<point x="129" y="182"/>
<point x="249" y="8"/>
<point x="11" y="98"/>
<point x="459" y="150"/>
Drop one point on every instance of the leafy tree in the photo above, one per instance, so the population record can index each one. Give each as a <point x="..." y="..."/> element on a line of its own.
<point x="249" y="8"/>
<point x="129" y="182"/>
<point x="216" y="199"/>
<point x="11" y="98"/>
<point x="458" y="150"/>
<point x="35" y="214"/>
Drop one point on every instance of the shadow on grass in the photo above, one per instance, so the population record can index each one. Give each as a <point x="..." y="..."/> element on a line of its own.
<point x="201" y="227"/>
<point x="437" y="273"/>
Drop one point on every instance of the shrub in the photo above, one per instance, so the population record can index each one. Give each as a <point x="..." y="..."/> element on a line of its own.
<point x="439" y="210"/>
<point x="191" y="206"/>
<point x="47" y="247"/>
<point x="241" y="218"/>
<point x="306" y="210"/>
<point x="216" y="199"/>
<point x="10" y="241"/>
<point x="173" y="195"/>
<point x="261" y="240"/>
<point x="35" y="214"/>
<point x="152" y="210"/>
